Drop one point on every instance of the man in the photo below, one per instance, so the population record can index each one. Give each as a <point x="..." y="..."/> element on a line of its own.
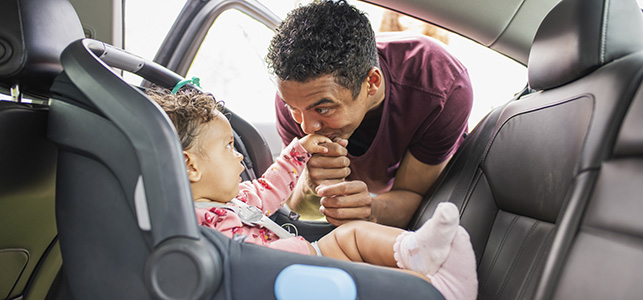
<point x="397" y="109"/>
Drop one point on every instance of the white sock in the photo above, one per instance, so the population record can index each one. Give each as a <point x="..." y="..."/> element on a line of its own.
<point x="426" y="249"/>
<point x="457" y="278"/>
<point x="441" y="250"/>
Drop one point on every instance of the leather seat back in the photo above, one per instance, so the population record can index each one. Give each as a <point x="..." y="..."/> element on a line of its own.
<point x="584" y="70"/>
<point x="599" y="251"/>
<point x="32" y="37"/>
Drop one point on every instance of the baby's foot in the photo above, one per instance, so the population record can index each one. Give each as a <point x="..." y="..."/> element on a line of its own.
<point x="426" y="249"/>
<point x="457" y="278"/>
<point x="442" y="250"/>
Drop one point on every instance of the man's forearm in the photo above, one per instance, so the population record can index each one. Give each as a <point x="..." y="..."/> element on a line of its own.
<point x="304" y="200"/>
<point x="396" y="207"/>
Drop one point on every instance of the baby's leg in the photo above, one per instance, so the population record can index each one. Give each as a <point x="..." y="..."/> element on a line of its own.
<point x="361" y="241"/>
<point x="440" y="249"/>
<point x="422" y="251"/>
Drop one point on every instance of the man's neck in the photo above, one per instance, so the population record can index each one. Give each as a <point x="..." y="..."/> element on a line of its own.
<point x="361" y="140"/>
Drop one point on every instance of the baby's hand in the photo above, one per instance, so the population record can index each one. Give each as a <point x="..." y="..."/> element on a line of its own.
<point x="314" y="143"/>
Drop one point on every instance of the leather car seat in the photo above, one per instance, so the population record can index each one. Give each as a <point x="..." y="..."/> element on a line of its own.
<point x="520" y="175"/>
<point x="32" y="37"/>
<point x="601" y="254"/>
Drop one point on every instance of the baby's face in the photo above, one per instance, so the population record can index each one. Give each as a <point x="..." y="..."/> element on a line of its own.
<point x="220" y="162"/>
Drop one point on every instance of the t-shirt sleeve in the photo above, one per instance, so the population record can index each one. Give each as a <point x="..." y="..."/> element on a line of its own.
<point x="287" y="128"/>
<point x="444" y="134"/>
<point x="270" y="191"/>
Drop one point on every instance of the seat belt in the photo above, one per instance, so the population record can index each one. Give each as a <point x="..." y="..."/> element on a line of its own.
<point x="249" y="215"/>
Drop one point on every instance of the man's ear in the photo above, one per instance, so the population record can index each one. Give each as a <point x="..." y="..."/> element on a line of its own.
<point x="374" y="80"/>
<point x="192" y="167"/>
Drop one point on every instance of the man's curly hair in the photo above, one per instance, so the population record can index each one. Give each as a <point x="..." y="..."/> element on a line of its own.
<point x="188" y="109"/>
<point x="324" y="38"/>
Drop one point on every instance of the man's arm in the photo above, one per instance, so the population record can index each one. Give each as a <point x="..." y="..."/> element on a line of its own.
<point x="412" y="180"/>
<point x="346" y="201"/>
<point x="327" y="168"/>
<point x="304" y="200"/>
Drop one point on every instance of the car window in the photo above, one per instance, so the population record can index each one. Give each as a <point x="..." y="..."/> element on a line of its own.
<point x="494" y="77"/>
<point x="146" y="26"/>
<point x="231" y="64"/>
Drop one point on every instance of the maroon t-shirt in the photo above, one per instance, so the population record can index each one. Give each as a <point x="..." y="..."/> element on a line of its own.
<point x="426" y="107"/>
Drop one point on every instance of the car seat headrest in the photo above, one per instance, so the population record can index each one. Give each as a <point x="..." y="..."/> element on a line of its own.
<point x="33" y="34"/>
<point x="578" y="36"/>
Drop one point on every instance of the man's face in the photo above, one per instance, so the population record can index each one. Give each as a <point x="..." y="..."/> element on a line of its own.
<point x="324" y="107"/>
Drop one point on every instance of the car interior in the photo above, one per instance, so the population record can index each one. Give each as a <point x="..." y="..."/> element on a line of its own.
<point x="95" y="202"/>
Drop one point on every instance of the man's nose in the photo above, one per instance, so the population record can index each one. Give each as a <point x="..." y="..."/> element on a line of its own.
<point x="310" y="126"/>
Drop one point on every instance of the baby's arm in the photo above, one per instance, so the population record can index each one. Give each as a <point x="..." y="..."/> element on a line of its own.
<point x="314" y="143"/>
<point x="270" y="191"/>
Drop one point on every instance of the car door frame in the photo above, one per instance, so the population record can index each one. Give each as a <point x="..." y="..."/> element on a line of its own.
<point x="191" y="26"/>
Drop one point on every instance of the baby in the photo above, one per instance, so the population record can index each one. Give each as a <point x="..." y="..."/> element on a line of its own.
<point x="439" y="252"/>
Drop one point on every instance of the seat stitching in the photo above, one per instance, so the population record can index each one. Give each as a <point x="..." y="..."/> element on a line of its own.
<point x="539" y="257"/>
<point x="472" y="187"/>
<point x="516" y="258"/>
<point x="497" y="254"/>
<point x="604" y="31"/>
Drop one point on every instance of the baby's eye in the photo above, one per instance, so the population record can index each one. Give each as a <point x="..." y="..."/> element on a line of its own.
<point x="230" y="145"/>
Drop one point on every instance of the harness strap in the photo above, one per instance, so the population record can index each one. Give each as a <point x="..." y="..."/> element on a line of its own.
<point x="249" y="215"/>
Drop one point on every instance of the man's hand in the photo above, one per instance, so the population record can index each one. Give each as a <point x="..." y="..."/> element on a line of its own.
<point x="330" y="167"/>
<point x="322" y="168"/>
<point x="346" y="201"/>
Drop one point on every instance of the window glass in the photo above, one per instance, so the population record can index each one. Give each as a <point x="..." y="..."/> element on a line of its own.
<point x="231" y="65"/>
<point x="494" y="77"/>
<point x="146" y="25"/>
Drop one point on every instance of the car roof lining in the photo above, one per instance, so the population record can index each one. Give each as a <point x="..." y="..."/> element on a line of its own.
<point x="501" y="27"/>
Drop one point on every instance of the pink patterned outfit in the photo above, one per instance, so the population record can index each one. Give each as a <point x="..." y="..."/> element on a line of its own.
<point x="268" y="193"/>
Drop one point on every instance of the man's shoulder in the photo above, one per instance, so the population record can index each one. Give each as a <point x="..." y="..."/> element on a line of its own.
<point x="418" y="61"/>
<point x="407" y="48"/>
<point x="402" y="36"/>
<point x="395" y="42"/>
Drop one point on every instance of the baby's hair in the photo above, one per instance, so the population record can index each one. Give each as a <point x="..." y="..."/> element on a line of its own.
<point x="188" y="109"/>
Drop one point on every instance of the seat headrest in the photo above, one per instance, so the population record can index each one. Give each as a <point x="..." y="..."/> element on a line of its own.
<point x="33" y="34"/>
<point x="578" y="36"/>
